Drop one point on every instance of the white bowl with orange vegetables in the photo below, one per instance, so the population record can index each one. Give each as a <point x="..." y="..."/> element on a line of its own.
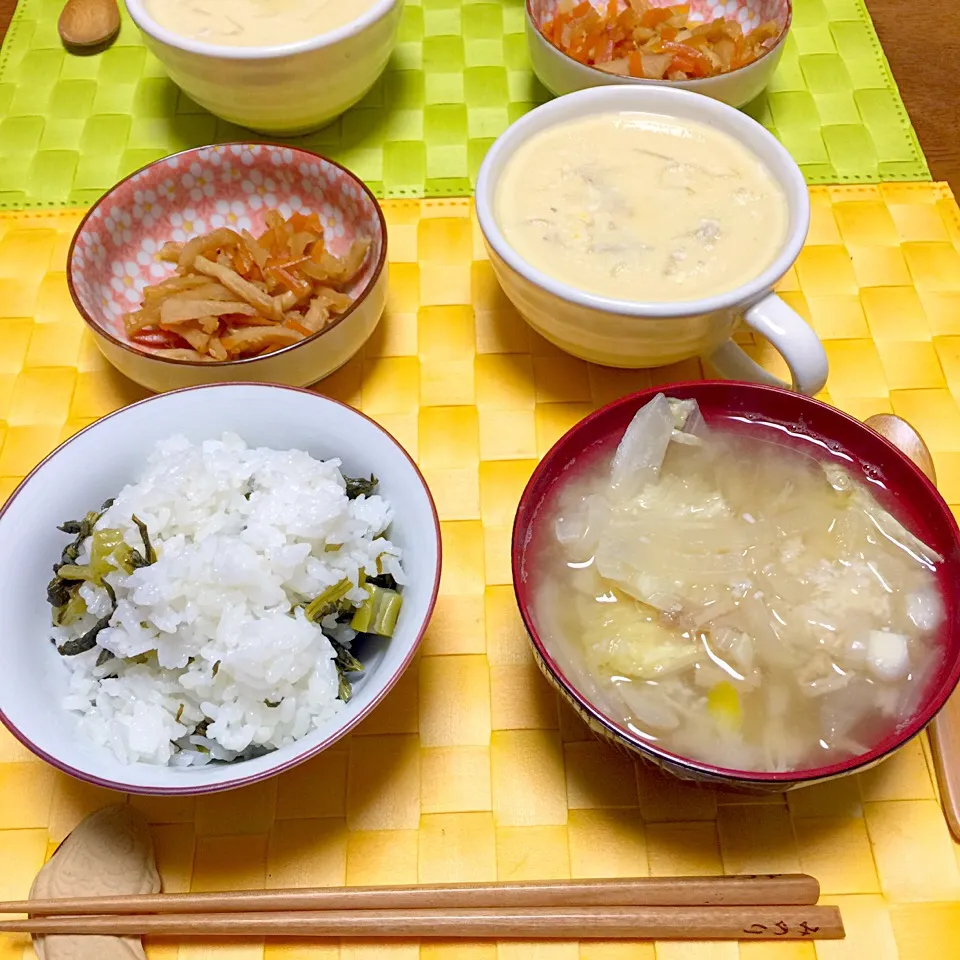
<point x="241" y="261"/>
<point x="727" y="51"/>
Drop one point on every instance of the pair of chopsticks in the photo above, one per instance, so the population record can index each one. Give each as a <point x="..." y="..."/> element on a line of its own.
<point x="780" y="907"/>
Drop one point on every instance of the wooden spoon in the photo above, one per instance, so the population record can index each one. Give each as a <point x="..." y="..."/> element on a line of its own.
<point x="89" y="23"/>
<point x="945" y="727"/>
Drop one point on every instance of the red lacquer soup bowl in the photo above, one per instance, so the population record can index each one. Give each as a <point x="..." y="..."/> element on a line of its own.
<point x="771" y="414"/>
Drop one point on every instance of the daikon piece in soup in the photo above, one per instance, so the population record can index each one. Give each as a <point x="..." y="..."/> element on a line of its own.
<point x="734" y="600"/>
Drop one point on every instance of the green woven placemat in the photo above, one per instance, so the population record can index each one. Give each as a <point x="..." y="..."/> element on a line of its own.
<point x="72" y="126"/>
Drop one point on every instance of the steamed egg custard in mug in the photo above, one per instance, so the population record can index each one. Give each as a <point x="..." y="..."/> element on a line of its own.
<point x="255" y="23"/>
<point x="642" y="207"/>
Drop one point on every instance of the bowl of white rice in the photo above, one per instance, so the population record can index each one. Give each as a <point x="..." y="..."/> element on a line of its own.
<point x="241" y="572"/>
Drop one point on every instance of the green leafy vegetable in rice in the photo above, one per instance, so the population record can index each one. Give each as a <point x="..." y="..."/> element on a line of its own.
<point x="360" y="487"/>
<point x="212" y="610"/>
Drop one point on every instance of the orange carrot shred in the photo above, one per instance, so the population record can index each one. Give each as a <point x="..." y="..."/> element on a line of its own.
<point x="599" y="35"/>
<point x="655" y="16"/>
<point x="299" y="327"/>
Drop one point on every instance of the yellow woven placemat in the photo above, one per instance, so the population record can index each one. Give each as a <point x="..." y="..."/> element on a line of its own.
<point x="470" y="770"/>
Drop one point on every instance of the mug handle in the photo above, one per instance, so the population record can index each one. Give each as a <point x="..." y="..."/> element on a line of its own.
<point x="793" y="338"/>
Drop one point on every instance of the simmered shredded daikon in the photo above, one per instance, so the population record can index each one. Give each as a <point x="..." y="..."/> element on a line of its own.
<point x="741" y="602"/>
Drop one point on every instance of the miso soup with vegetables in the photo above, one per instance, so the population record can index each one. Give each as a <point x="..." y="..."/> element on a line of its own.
<point x="217" y="607"/>
<point x="737" y="601"/>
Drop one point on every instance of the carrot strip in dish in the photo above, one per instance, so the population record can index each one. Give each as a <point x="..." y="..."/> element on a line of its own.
<point x="235" y="295"/>
<point x="653" y="42"/>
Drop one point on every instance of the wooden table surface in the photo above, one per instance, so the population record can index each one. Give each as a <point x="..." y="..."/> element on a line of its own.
<point x="922" y="49"/>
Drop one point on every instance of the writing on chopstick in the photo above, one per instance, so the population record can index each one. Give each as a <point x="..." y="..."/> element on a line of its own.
<point x="781" y="929"/>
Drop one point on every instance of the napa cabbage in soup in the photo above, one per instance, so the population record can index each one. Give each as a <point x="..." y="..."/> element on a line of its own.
<point x="734" y="600"/>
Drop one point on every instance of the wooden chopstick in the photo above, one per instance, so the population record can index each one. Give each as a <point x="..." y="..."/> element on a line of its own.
<point x="533" y="923"/>
<point x="789" y="888"/>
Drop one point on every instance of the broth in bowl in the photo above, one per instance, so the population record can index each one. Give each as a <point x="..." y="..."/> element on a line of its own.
<point x="742" y="602"/>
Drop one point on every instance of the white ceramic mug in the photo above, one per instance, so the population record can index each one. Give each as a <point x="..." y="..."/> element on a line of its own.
<point x="621" y="333"/>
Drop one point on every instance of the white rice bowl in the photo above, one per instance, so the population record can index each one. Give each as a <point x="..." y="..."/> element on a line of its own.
<point x="242" y="537"/>
<point x="228" y="572"/>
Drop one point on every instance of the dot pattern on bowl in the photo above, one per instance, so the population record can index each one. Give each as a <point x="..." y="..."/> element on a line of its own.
<point x="750" y="13"/>
<point x="177" y="198"/>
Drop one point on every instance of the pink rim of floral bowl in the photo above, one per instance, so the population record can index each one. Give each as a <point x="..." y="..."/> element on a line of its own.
<point x="779" y="412"/>
<point x="268" y="414"/>
<point x="113" y="253"/>
<point x="750" y="14"/>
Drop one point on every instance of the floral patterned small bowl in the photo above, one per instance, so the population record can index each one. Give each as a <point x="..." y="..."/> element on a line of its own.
<point x="113" y="254"/>
<point x="561" y="74"/>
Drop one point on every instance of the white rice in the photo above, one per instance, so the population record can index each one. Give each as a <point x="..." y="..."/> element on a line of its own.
<point x="241" y="537"/>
